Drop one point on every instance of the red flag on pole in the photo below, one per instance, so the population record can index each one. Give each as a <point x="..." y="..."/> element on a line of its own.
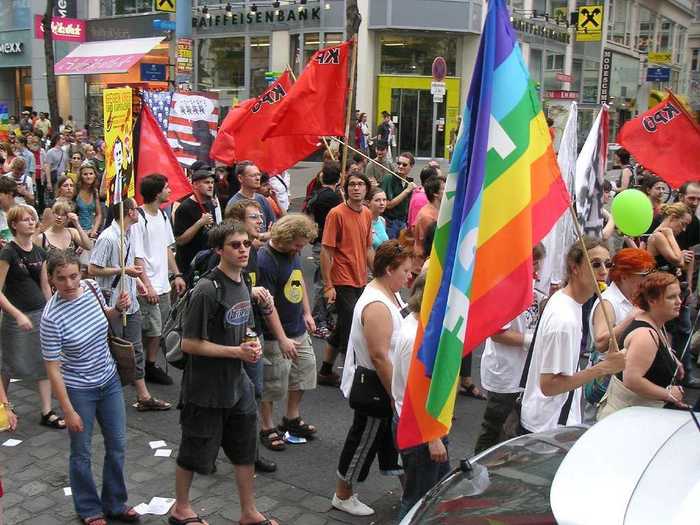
<point x="665" y="140"/>
<point x="316" y="104"/>
<point x="239" y="136"/>
<point x="156" y="156"/>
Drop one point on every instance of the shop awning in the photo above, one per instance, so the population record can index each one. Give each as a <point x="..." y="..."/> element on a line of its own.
<point x="109" y="56"/>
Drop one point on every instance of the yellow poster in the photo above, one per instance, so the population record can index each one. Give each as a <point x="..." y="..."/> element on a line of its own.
<point x="661" y="57"/>
<point x="119" y="156"/>
<point x="590" y="23"/>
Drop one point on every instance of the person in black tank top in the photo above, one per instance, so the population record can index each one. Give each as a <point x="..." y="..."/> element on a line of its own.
<point x="652" y="367"/>
<point x="663" y="245"/>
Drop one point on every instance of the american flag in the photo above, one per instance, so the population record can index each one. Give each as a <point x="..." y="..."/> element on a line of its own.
<point x="159" y="102"/>
<point x="192" y="125"/>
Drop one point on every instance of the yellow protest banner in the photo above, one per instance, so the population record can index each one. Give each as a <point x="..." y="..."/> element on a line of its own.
<point x="119" y="157"/>
<point x="589" y="27"/>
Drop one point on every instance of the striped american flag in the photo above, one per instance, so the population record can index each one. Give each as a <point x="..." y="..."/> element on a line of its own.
<point x="192" y="125"/>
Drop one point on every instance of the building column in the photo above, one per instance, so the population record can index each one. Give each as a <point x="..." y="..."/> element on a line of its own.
<point x="367" y="42"/>
<point x="279" y="52"/>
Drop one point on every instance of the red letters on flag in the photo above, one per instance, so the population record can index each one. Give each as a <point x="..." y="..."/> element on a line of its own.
<point x="665" y="140"/>
<point x="154" y="155"/>
<point x="316" y="104"/>
<point x="240" y="134"/>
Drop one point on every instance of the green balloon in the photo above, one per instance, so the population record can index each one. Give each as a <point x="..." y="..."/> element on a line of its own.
<point x="632" y="212"/>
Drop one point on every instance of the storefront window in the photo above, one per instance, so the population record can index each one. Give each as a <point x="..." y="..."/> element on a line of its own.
<point x="125" y="7"/>
<point x="414" y="55"/>
<point x="332" y="39"/>
<point x="259" y="64"/>
<point x="624" y="76"/>
<point x="618" y="22"/>
<point x="312" y="43"/>
<point x="665" y="40"/>
<point x="221" y="64"/>
<point x="646" y="29"/>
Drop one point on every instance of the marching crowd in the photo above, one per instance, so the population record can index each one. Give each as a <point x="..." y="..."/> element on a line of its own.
<point x="228" y="257"/>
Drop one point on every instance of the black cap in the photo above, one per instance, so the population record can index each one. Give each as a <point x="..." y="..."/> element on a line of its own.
<point x="202" y="174"/>
<point x="382" y="144"/>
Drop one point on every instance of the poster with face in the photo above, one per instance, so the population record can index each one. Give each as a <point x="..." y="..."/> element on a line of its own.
<point x="118" y="132"/>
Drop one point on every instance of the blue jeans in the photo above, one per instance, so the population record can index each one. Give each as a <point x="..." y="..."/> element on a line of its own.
<point x="394" y="227"/>
<point x="106" y="404"/>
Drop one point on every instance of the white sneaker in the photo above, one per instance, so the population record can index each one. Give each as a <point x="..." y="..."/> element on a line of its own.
<point x="352" y="505"/>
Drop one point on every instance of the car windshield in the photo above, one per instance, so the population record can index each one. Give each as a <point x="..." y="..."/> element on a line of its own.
<point x="509" y="485"/>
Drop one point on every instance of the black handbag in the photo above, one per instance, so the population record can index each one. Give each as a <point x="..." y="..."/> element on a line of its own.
<point x="368" y="395"/>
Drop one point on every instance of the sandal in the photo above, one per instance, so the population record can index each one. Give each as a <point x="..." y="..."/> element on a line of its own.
<point x="151" y="404"/>
<point x="266" y="521"/>
<point x="95" y="520"/>
<point x="297" y="427"/>
<point x="272" y="440"/>
<point x="51" y="420"/>
<point x="172" y="520"/>
<point x="127" y="516"/>
<point x="472" y="391"/>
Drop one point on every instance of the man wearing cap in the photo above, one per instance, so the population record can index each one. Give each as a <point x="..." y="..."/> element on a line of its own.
<point x="375" y="172"/>
<point x="25" y="123"/>
<point x="193" y="219"/>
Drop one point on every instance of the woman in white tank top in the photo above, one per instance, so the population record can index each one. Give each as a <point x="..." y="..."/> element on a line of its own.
<point x="373" y="337"/>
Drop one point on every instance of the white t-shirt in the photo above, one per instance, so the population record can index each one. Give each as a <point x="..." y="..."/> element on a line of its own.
<point x="25" y="180"/>
<point x="556" y="351"/>
<point x="502" y="365"/>
<point x="280" y="183"/>
<point x="621" y="306"/>
<point x="151" y="240"/>
<point x="401" y="360"/>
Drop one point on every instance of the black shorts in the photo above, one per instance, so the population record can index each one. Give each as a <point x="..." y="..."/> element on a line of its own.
<point x="205" y="430"/>
<point x="345" y="299"/>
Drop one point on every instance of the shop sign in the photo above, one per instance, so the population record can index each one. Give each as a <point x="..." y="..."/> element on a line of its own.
<point x="122" y="28"/>
<point x="562" y="77"/>
<point x="589" y="27"/>
<point x="658" y="74"/>
<point x="65" y="8"/>
<point x="546" y="31"/>
<point x="152" y="72"/>
<point x="258" y="17"/>
<point x="606" y="67"/>
<point x="561" y="95"/>
<point x="165" y="6"/>
<point x="661" y="57"/>
<point x="184" y="64"/>
<point x="66" y="29"/>
<point x="11" y="48"/>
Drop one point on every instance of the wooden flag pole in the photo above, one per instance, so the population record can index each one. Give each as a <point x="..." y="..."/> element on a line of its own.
<point x="122" y="261"/>
<point x="579" y="234"/>
<point x="371" y="160"/>
<point x="348" y="114"/>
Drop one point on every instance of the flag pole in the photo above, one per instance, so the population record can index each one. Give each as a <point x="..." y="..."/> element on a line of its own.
<point x="579" y="234"/>
<point x="348" y="113"/>
<point x="121" y="254"/>
<point x="371" y="160"/>
<point x="328" y="148"/>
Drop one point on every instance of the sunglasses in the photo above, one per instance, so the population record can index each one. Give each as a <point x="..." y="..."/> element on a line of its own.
<point x="236" y="245"/>
<point x="599" y="264"/>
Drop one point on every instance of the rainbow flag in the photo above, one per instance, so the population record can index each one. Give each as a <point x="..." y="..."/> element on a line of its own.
<point x="503" y="194"/>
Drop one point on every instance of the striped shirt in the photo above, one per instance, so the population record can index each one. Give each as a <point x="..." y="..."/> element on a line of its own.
<point x="74" y="332"/>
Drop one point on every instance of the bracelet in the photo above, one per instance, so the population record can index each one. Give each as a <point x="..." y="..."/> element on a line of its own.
<point x="175" y="276"/>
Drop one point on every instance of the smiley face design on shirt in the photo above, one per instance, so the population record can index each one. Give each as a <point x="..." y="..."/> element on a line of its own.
<point x="294" y="287"/>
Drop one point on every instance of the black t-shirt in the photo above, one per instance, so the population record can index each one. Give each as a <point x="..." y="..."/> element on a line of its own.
<point x="186" y="215"/>
<point x="23" y="280"/>
<point x="691" y="235"/>
<point x="211" y="381"/>
<point x="325" y="200"/>
<point x="281" y="274"/>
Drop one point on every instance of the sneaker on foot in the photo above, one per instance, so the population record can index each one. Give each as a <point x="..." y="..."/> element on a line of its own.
<point x="352" y="505"/>
<point x="155" y="374"/>
<point x="331" y="379"/>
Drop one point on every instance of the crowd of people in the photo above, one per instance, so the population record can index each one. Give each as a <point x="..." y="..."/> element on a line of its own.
<point x="229" y="254"/>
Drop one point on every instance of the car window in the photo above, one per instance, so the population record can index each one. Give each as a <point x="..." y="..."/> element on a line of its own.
<point x="510" y="484"/>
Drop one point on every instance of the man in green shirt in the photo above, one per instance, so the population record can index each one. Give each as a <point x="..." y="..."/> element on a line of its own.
<point x="398" y="195"/>
<point x="375" y="172"/>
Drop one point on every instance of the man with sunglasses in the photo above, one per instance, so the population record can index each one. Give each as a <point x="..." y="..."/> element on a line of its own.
<point x="375" y="172"/>
<point x="217" y="399"/>
<point x="398" y="195"/>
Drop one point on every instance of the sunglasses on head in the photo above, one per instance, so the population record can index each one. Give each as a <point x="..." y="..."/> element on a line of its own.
<point x="236" y="245"/>
<point x="599" y="264"/>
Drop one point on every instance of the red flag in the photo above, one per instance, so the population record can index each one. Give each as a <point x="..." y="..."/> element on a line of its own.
<point x="156" y="156"/>
<point x="239" y="136"/>
<point x="665" y="140"/>
<point x="316" y="104"/>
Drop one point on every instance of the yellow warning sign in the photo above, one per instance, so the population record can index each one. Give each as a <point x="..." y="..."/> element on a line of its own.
<point x="590" y="23"/>
<point x="167" y="6"/>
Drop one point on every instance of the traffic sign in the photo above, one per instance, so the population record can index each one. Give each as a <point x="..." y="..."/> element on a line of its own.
<point x="437" y="89"/>
<point x="661" y="57"/>
<point x="439" y="69"/>
<point x="589" y="27"/>
<point x="166" y="6"/>
<point x="658" y="74"/>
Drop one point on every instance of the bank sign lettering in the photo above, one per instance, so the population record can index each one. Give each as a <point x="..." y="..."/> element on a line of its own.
<point x="258" y="17"/>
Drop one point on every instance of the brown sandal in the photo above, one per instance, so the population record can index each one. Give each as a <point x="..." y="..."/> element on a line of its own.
<point x="272" y="440"/>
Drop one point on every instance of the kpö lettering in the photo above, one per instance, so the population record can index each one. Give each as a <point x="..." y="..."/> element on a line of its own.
<point x="329" y="56"/>
<point x="272" y="96"/>
<point x="661" y="117"/>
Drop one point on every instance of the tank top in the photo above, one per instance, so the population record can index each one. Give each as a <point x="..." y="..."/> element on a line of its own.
<point x="46" y="244"/>
<point x="86" y="212"/>
<point x="357" y="353"/>
<point x="663" y="368"/>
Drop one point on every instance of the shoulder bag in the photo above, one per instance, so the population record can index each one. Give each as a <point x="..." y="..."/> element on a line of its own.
<point x="122" y="350"/>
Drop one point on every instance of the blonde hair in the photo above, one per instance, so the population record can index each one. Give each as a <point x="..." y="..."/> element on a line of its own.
<point x="676" y="210"/>
<point x="293" y="226"/>
<point x="61" y="207"/>
<point x="17" y="212"/>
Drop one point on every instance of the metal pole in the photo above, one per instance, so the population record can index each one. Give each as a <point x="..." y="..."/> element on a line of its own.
<point x="433" y="140"/>
<point x="183" y="29"/>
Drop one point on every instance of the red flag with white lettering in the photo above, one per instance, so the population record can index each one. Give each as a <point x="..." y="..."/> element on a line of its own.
<point x="239" y="136"/>
<point x="666" y="141"/>
<point x="316" y="104"/>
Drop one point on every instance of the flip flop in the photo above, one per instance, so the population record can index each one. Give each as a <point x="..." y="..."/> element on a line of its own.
<point x="172" y="520"/>
<point x="471" y="391"/>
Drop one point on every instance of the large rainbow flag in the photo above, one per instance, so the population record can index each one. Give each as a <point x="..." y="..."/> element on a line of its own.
<point x="503" y="194"/>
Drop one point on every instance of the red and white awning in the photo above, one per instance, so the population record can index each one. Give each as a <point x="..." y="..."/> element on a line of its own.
<point x="109" y="56"/>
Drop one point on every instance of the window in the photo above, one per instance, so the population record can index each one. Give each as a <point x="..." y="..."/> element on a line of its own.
<point x="221" y="64"/>
<point x="312" y="43"/>
<point x="259" y="64"/>
<point x="680" y="46"/>
<point x="295" y="53"/>
<point x="554" y="62"/>
<point x="619" y="22"/>
<point x="535" y="67"/>
<point x="332" y="39"/>
<point x="665" y="39"/>
<point x="591" y="69"/>
<point x="15" y="14"/>
<point x="647" y="22"/>
<point x="414" y="55"/>
<point x="695" y="60"/>
<point x="125" y="7"/>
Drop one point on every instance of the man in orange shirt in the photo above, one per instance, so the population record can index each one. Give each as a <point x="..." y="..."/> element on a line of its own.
<point x="346" y="253"/>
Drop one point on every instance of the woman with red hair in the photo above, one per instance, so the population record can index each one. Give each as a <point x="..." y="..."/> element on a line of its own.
<point x="627" y="270"/>
<point x="651" y="367"/>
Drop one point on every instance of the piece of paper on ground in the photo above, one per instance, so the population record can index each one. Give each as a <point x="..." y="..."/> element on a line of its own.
<point x="163" y="452"/>
<point x="157" y="444"/>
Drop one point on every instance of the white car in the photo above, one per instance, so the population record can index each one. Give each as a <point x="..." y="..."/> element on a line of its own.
<point x="639" y="466"/>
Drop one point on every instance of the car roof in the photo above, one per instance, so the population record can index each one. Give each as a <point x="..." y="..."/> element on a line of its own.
<point x="640" y="466"/>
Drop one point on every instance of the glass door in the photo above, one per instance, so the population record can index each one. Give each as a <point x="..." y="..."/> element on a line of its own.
<point x="413" y="110"/>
